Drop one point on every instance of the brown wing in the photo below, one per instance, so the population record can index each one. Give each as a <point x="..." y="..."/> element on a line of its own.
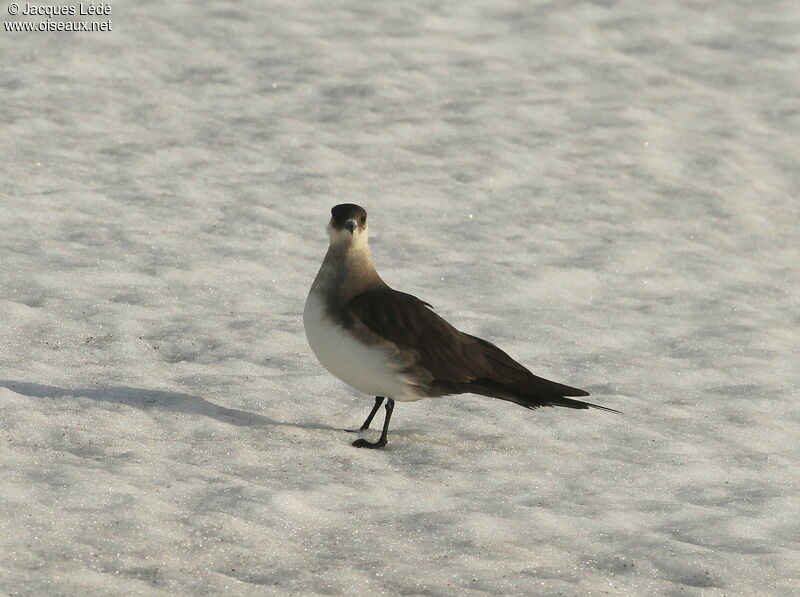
<point x="455" y="362"/>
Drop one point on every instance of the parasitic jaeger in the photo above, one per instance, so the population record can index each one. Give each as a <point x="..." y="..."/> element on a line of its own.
<point x="393" y="346"/>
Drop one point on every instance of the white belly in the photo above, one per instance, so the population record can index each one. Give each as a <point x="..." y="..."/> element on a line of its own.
<point x="365" y="368"/>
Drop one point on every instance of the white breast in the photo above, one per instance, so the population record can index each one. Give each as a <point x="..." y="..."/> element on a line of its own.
<point x="363" y="367"/>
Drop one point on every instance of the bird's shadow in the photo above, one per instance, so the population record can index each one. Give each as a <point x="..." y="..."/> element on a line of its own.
<point x="146" y="399"/>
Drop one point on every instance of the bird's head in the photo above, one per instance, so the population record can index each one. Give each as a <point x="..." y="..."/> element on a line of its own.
<point x="348" y="225"/>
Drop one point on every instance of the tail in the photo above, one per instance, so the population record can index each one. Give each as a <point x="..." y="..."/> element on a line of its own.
<point x="564" y="402"/>
<point x="535" y="393"/>
<point x="544" y="392"/>
<point x="506" y="379"/>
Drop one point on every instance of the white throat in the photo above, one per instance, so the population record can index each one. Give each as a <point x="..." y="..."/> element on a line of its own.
<point x="347" y="268"/>
<point x="346" y="271"/>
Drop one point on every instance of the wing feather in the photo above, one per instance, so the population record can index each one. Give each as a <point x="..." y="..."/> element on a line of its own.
<point x="451" y="361"/>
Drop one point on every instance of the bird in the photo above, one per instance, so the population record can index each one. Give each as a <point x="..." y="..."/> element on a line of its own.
<point x="393" y="346"/>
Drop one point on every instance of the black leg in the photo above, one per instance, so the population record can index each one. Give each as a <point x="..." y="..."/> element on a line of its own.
<point x="362" y="443"/>
<point x="378" y="402"/>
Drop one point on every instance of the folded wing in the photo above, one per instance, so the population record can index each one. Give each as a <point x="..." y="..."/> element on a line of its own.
<point x="450" y="361"/>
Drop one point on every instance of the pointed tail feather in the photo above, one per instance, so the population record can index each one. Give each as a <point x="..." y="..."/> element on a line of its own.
<point x="567" y="403"/>
<point x="543" y="392"/>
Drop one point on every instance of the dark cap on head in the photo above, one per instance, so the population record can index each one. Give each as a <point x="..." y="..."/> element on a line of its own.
<point x="345" y="212"/>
